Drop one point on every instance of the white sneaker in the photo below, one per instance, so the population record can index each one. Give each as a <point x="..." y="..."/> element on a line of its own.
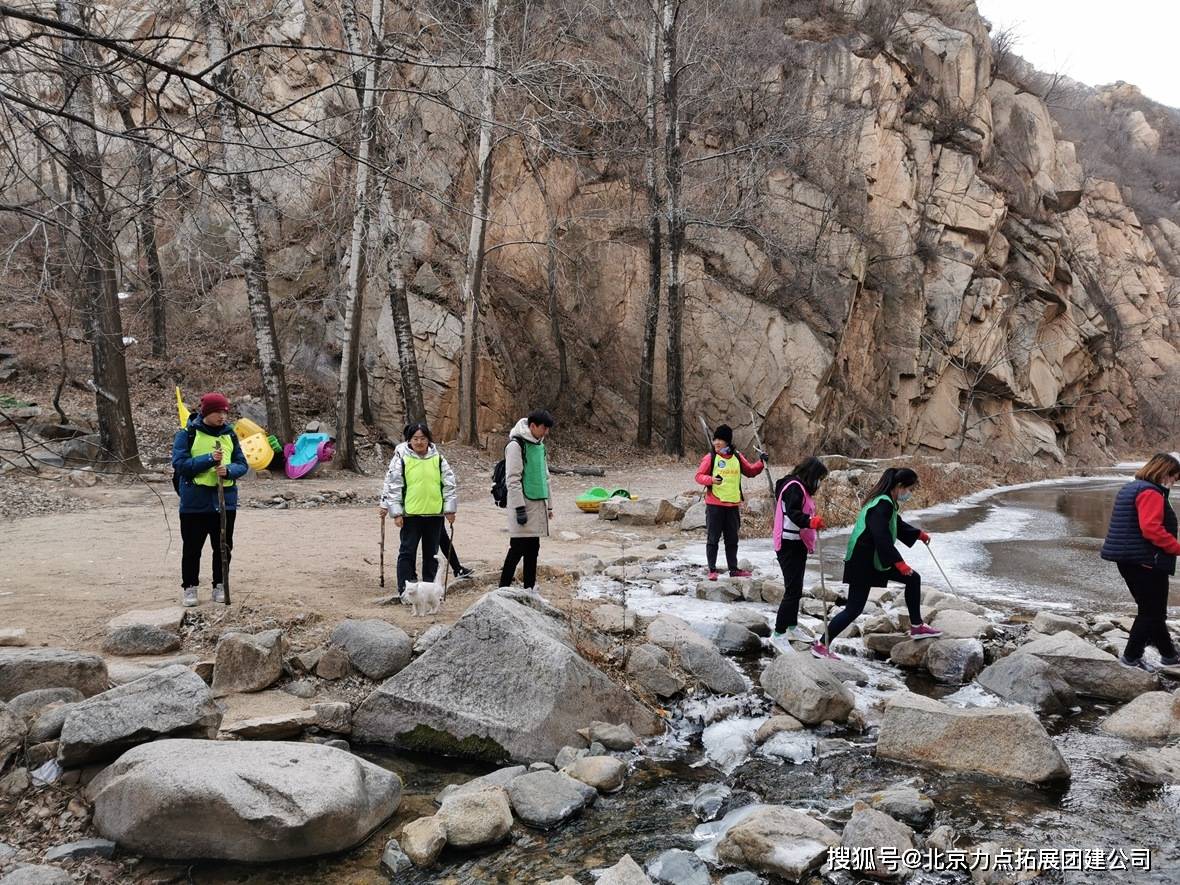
<point x="219" y="594"/>
<point x="799" y="633"/>
<point x="189" y="596"/>
<point x="781" y="643"/>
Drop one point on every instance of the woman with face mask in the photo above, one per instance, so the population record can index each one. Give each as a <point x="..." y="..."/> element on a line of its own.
<point x="872" y="559"/>
<point x="1141" y="539"/>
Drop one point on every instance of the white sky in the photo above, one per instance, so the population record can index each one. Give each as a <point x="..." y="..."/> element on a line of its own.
<point x="1098" y="41"/>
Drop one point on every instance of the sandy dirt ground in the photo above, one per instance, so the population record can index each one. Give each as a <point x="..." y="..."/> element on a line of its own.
<point x="63" y="576"/>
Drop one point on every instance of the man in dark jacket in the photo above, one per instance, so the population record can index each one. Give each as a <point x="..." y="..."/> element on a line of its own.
<point x="202" y="453"/>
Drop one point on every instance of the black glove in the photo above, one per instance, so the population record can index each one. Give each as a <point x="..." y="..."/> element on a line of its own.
<point x="762" y="456"/>
<point x="522" y="516"/>
<point x="717" y="480"/>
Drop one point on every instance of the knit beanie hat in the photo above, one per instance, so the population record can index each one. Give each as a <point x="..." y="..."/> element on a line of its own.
<point x="725" y="434"/>
<point x="213" y="402"/>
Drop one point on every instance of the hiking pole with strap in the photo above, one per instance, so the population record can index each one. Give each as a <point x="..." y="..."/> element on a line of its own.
<point x="224" y="549"/>
<point x="382" y="556"/>
<point x="447" y="563"/>
<point x="949" y="585"/>
<point x="762" y="449"/>
<point x="823" y="586"/>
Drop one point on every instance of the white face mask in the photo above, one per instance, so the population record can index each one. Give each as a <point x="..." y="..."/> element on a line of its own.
<point x="902" y="497"/>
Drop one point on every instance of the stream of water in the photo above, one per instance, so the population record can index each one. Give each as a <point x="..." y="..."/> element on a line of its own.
<point x="1016" y="551"/>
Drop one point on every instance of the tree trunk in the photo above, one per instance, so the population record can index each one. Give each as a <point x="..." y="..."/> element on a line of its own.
<point x="674" y="431"/>
<point x="552" y="300"/>
<point x="473" y="272"/>
<point x="346" y="452"/>
<point x="145" y="222"/>
<point x="250" y="251"/>
<point x="97" y="252"/>
<point x="651" y="313"/>
<point x="399" y="309"/>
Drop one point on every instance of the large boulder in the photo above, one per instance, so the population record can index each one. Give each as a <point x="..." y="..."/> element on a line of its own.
<point x="544" y="799"/>
<point x="1026" y="679"/>
<point x="1160" y="765"/>
<point x="806" y="689"/>
<point x="505" y="682"/>
<point x="12" y="733"/>
<point x="247" y="661"/>
<point x="169" y="702"/>
<point x="1089" y="670"/>
<point x="716" y="672"/>
<point x="866" y="835"/>
<point x="264" y="801"/>
<point x="1007" y="742"/>
<point x="777" y="840"/>
<point x="140" y="639"/>
<point x="480" y="817"/>
<point x="955" y="660"/>
<point x="31" y="703"/>
<point x="1050" y="623"/>
<point x="376" y="648"/>
<point x="650" y="667"/>
<point x="1151" y="716"/>
<point x="25" y="669"/>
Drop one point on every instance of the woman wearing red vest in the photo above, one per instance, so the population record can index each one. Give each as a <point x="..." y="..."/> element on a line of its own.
<point x="795" y="527"/>
<point x="1142" y="541"/>
<point x="721" y="472"/>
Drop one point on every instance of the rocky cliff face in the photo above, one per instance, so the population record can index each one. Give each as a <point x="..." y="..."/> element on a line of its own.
<point x="971" y="288"/>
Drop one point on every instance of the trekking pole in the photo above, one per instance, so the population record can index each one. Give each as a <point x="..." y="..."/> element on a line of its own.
<point x="949" y="585"/>
<point x="823" y="586"/>
<point x="761" y="448"/>
<point x="382" y="557"/>
<point x="447" y="564"/>
<point x="224" y="549"/>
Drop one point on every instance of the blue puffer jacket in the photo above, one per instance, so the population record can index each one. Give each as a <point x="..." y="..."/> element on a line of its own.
<point x="1124" y="538"/>
<point x="203" y="499"/>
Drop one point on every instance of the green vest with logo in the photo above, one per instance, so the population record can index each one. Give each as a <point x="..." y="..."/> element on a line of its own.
<point x="859" y="529"/>
<point x="205" y="444"/>
<point x="423" y="490"/>
<point x="535" y="480"/>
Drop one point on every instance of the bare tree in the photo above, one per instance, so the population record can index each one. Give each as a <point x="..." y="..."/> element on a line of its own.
<point x="655" y="251"/>
<point x="673" y="174"/>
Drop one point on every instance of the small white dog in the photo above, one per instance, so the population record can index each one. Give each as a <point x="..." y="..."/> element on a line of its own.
<point x="425" y="596"/>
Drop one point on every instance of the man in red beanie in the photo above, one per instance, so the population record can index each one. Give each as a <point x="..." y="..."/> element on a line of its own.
<point x="205" y="450"/>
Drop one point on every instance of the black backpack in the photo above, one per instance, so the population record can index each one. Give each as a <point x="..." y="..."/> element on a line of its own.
<point x="192" y="435"/>
<point x="500" y="478"/>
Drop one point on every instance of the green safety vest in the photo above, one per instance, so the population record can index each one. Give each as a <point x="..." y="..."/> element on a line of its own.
<point x="535" y="480"/>
<point x="859" y="529"/>
<point x="730" y="467"/>
<point x="423" y="495"/>
<point x="204" y="444"/>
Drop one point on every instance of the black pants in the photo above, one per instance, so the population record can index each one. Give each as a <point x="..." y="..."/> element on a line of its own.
<point x="1150" y="589"/>
<point x="423" y="530"/>
<point x="194" y="529"/>
<point x="720" y="521"/>
<point x="526" y="549"/>
<point x="792" y="559"/>
<point x="858" y="595"/>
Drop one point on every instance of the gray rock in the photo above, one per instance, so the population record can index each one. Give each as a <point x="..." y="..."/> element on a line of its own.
<point x="745" y="877"/>
<point x="869" y="831"/>
<point x="777" y="840"/>
<point x="280" y="726"/>
<point x="955" y="660"/>
<point x="542" y="766"/>
<point x="247" y="661"/>
<point x="882" y="643"/>
<point x="26" y="669"/>
<point x="12" y="733"/>
<point x="612" y="737"/>
<point x="678" y="867"/>
<point x="424" y="839"/>
<point x="172" y="701"/>
<point x="30" y="874"/>
<point x="48" y="725"/>
<point x="772" y="592"/>
<point x="339" y="744"/>
<point x="243" y="801"/>
<point x="846" y="671"/>
<point x="376" y="648"/>
<point x="604" y="773"/>
<point x="712" y="669"/>
<point x="432" y="635"/>
<point x="1160" y="765"/>
<point x="333" y="664"/>
<point x="625" y="872"/>
<point x="754" y="621"/>
<point x="1154" y="716"/>
<point x="776" y="725"/>
<point x="614" y="619"/>
<point x="942" y="838"/>
<point x="806" y="689"/>
<point x="650" y="667"/>
<point x="505" y="682"/>
<point x="1049" y="623"/>
<point x="1089" y="670"/>
<point x="544" y="799"/>
<point x="301" y="688"/>
<point x="566" y="756"/>
<point x="734" y="639"/>
<point x="333" y="716"/>
<point x="1028" y="680"/>
<point x="694" y="518"/>
<point x="910" y="653"/>
<point x="709" y="800"/>
<point x="32" y="702"/>
<point x="481" y="817"/>
<point x="140" y="639"/>
<point x="81" y="849"/>
<point x="170" y="618"/>
<point x="394" y="861"/>
<point x="502" y="777"/>
<point x="1007" y="742"/>
<point x="906" y="804"/>
<point x="14" y="783"/>
<point x="956" y="624"/>
<point x="305" y="661"/>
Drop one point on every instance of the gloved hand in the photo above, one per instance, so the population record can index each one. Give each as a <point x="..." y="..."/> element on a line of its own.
<point x="904" y="569"/>
<point x="717" y="480"/>
<point x="762" y="456"/>
<point x="923" y="537"/>
<point x="817" y="523"/>
<point x="522" y="516"/>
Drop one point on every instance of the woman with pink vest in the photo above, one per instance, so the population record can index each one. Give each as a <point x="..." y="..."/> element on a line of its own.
<point x="795" y="526"/>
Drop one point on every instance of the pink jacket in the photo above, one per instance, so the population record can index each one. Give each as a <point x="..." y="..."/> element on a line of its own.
<point x="705" y="476"/>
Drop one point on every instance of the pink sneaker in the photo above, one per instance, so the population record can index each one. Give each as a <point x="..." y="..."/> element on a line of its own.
<point x="924" y="631"/>
<point x="741" y="573"/>
<point x="819" y="650"/>
<point x="712" y="576"/>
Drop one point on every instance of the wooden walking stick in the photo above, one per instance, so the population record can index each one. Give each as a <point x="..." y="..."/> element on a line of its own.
<point x="382" y="550"/>
<point x="224" y="548"/>
<point x="447" y="564"/>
